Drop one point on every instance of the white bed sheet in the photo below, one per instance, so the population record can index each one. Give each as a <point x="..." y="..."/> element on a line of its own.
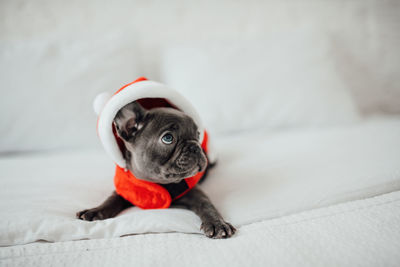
<point x="259" y="176"/>
<point x="359" y="233"/>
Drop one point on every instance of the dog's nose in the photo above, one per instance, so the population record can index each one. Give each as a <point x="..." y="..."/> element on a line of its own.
<point x="194" y="148"/>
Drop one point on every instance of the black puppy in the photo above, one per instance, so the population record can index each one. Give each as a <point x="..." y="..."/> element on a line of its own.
<point x="162" y="146"/>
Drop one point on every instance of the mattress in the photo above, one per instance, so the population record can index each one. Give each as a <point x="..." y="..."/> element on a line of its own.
<point x="261" y="181"/>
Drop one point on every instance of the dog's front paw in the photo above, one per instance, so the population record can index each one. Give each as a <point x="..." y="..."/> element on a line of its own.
<point x="218" y="229"/>
<point x="92" y="214"/>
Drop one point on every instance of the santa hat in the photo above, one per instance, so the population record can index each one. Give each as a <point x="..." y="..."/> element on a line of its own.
<point x="149" y="94"/>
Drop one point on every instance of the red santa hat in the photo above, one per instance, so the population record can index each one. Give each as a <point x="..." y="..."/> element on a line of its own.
<point x="149" y="94"/>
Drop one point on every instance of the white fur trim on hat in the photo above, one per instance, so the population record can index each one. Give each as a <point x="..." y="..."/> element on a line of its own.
<point x="100" y="101"/>
<point x="135" y="91"/>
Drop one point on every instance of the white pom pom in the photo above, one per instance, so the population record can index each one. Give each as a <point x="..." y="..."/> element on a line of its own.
<point x="100" y="101"/>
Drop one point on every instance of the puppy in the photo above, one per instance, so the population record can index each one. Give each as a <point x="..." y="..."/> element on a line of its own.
<point x="162" y="146"/>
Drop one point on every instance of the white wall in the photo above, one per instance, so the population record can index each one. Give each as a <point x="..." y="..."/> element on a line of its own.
<point x="56" y="55"/>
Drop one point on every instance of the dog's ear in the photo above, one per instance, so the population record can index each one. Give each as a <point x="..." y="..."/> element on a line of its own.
<point x="128" y="120"/>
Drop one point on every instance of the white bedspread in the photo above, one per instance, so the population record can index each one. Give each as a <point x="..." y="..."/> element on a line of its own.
<point x="360" y="233"/>
<point x="260" y="176"/>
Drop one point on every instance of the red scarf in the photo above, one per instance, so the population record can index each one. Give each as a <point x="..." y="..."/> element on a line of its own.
<point x="148" y="195"/>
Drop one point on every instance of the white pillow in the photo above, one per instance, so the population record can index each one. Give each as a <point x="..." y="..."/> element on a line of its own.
<point x="48" y="86"/>
<point x="286" y="81"/>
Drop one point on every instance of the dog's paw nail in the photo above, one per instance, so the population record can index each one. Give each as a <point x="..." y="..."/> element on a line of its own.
<point x="79" y="214"/>
<point x="208" y="229"/>
<point x="231" y="230"/>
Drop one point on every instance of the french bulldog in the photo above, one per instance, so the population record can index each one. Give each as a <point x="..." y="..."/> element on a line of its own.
<point x="162" y="146"/>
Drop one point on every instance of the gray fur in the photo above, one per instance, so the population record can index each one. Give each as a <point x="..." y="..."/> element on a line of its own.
<point x="213" y="225"/>
<point x="150" y="159"/>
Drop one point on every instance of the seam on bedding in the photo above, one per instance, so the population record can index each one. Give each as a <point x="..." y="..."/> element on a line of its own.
<point x="327" y="207"/>
<point x="322" y="216"/>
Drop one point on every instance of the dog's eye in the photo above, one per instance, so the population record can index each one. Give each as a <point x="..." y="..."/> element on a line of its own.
<point x="167" y="139"/>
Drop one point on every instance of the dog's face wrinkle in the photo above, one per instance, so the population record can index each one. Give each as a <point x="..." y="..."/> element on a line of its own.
<point x="151" y="159"/>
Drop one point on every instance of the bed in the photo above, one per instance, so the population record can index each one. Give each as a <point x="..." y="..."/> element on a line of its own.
<point x="301" y="102"/>
<point x="324" y="197"/>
